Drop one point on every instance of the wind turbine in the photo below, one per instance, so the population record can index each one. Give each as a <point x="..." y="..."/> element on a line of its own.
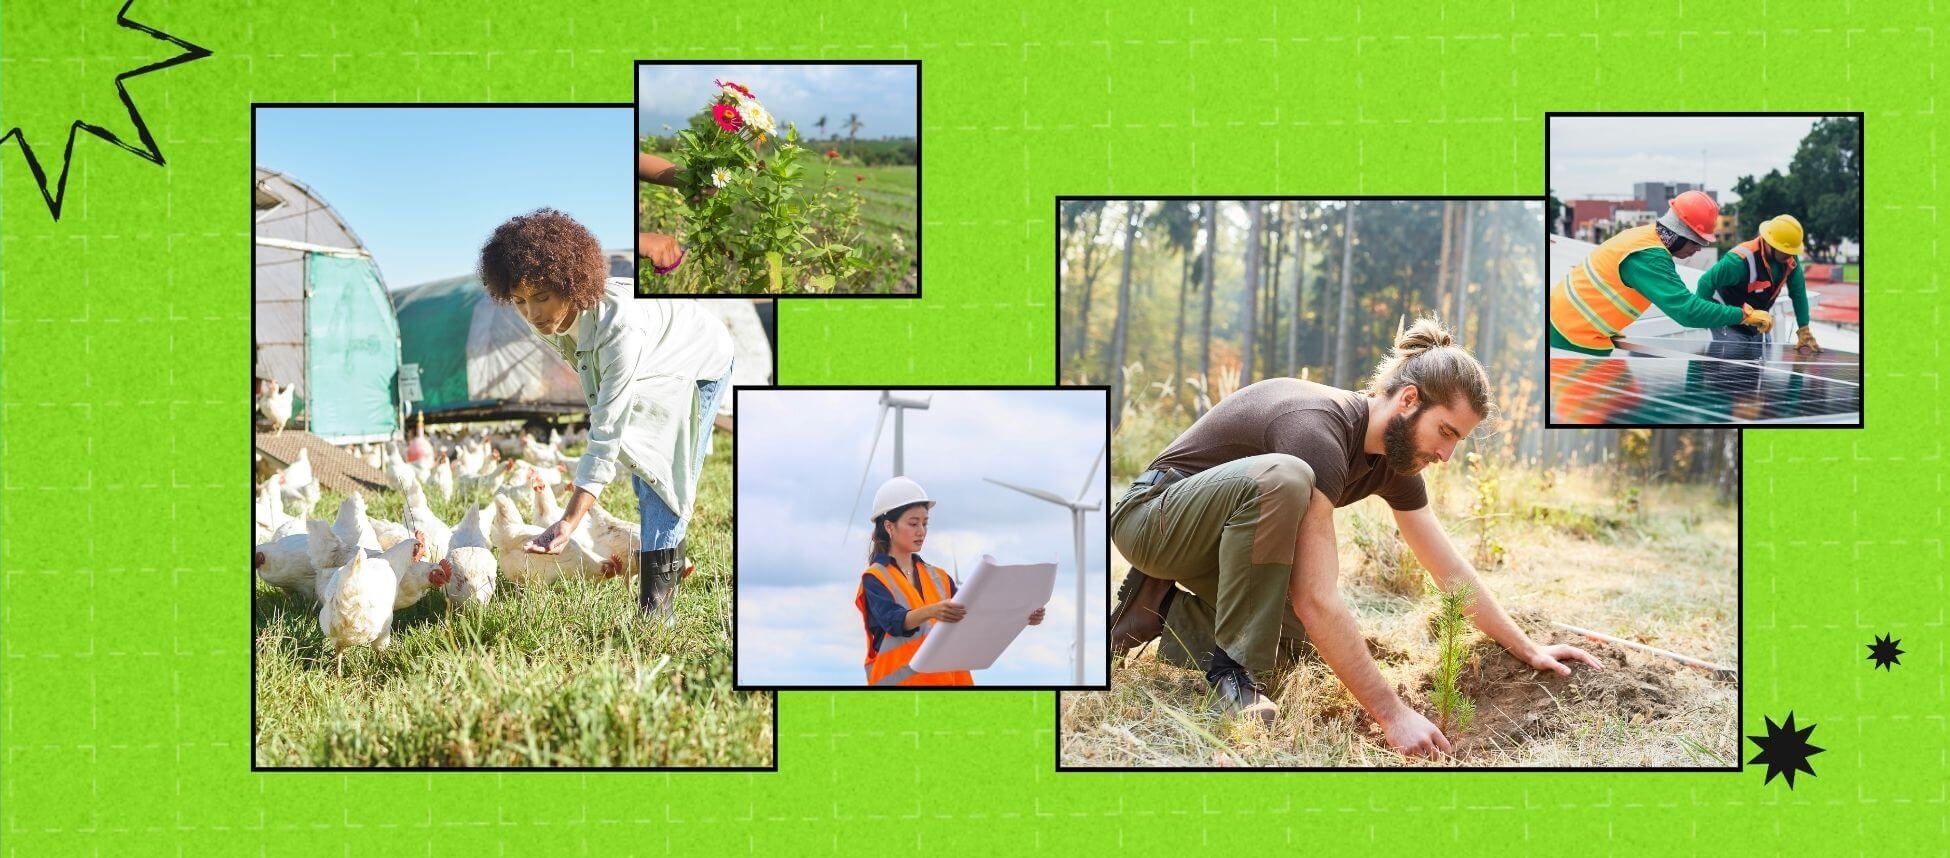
<point x="1077" y="509"/>
<point x="900" y="405"/>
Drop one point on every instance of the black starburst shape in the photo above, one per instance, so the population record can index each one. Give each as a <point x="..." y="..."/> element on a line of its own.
<point x="148" y="151"/>
<point x="1784" y="750"/>
<point x="1884" y="651"/>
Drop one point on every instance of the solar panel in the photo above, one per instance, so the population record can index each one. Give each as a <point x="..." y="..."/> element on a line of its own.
<point x="1664" y="374"/>
<point x="1687" y="377"/>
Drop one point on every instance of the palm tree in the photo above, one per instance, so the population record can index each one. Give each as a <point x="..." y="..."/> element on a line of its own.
<point x="853" y="126"/>
<point x="821" y="124"/>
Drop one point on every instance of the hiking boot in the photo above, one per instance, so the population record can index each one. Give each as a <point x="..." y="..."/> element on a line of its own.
<point x="1141" y="606"/>
<point x="1239" y="695"/>
<point x="662" y="569"/>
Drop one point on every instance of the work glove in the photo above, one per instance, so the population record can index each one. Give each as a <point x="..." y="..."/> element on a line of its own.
<point x="1804" y="341"/>
<point x="1761" y="320"/>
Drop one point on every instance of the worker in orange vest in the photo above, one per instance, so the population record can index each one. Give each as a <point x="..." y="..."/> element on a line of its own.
<point x="901" y="597"/>
<point x="1753" y="275"/>
<point x="1635" y="270"/>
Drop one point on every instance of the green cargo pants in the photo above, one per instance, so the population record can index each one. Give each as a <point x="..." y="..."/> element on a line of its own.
<point x="1228" y="535"/>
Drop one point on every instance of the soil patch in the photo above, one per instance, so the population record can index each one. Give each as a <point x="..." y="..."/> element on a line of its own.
<point x="1516" y="703"/>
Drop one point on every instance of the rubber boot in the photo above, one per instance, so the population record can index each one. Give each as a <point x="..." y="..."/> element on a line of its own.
<point x="662" y="569"/>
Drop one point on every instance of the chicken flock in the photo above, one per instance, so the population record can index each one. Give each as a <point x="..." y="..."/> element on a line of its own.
<point x="360" y="569"/>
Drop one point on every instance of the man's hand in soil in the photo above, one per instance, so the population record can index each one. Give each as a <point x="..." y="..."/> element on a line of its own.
<point x="1411" y="734"/>
<point x="1553" y="657"/>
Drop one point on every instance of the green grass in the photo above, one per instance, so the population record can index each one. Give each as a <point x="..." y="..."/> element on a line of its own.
<point x="568" y="674"/>
<point x="1852" y="272"/>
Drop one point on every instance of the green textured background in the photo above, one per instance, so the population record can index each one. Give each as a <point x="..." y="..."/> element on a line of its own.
<point x="124" y="365"/>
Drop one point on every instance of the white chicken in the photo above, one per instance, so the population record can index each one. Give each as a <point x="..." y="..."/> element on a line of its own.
<point x="443" y="478"/>
<point x="619" y="541"/>
<point x="356" y="598"/>
<point x="290" y="526"/>
<point x="421" y="520"/>
<point x="389" y="533"/>
<point x="540" y="454"/>
<point x="489" y="477"/>
<point x="471" y="576"/>
<point x="275" y="405"/>
<point x="472" y="532"/>
<point x="269" y="510"/>
<point x="418" y="574"/>
<point x="399" y="474"/>
<point x="285" y="563"/>
<point x="577" y="559"/>
<point x="351" y="531"/>
<point x="301" y="488"/>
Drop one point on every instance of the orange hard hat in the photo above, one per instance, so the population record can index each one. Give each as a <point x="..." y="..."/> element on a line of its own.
<point x="1693" y="215"/>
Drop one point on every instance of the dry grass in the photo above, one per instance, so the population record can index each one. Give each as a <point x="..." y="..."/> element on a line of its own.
<point x="1662" y="574"/>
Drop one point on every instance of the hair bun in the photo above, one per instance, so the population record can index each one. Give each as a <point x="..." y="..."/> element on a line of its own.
<point x="1425" y="334"/>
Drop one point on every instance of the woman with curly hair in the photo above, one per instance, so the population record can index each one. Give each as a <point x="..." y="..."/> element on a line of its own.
<point x="653" y="372"/>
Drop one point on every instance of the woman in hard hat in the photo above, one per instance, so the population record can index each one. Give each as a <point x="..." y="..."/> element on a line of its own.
<point x="901" y="597"/>
<point x="1634" y="270"/>
<point x="652" y="371"/>
<point x="1753" y="274"/>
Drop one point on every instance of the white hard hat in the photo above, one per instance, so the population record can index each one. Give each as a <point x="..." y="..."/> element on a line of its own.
<point x="896" y="493"/>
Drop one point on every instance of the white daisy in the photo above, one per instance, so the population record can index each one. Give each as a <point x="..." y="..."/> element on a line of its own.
<point x="757" y="117"/>
<point x="720" y="177"/>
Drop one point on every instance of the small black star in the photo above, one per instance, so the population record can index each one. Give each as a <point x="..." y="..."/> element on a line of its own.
<point x="147" y="149"/>
<point x="1883" y="652"/>
<point x="1784" y="750"/>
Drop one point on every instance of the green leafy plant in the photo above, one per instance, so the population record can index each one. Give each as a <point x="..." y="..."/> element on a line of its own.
<point x="752" y="224"/>
<point x="1451" y="629"/>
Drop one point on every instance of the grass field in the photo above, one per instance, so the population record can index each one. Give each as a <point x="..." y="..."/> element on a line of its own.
<point x="889" y="208"/>
<point x="568" y="674"/>
<point x="1660" y="571"/>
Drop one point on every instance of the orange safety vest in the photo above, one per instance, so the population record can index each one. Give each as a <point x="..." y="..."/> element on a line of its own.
<point x="888" y="665"/>
<point x="1757" y="277"/>
<point x="1589" y="391"/>
<point x="1592" y="304"/>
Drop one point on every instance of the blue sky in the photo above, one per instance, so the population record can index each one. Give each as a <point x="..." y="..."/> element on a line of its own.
<point x="800" y="557"/>
<point x="424" y="187"/>
<point x="884" y="96"/>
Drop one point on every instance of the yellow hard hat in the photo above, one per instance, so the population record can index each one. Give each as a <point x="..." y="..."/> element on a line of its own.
<point x="1783" y="233"/>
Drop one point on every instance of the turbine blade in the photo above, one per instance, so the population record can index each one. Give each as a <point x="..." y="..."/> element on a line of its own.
<point x="878" y="423"/>
<point x="1052" y="497"/>
<point x="1092" y="478"/>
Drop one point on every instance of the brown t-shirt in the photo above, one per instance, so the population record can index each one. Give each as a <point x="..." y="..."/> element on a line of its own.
<point x="1323" y="426"/>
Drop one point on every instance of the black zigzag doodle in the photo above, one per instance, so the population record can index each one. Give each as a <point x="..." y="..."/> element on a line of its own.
<point x="148" y="151"/>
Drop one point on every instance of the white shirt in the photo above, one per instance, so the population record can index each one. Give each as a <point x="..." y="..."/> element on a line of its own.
<point x="640" y="360"/>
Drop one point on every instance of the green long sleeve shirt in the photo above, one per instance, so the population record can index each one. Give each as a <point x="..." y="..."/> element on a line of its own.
<point x="1729" y="277"/>
<point x="1651" y="272"/>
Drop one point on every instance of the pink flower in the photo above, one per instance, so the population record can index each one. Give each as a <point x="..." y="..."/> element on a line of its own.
<point x="734" y="85"/>
<point x="727" y="117"/>
<point x="832" y="153"/>
<point x="859" y="178"/>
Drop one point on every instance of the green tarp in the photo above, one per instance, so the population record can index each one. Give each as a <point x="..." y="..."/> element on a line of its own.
<point x="352" y="348"/>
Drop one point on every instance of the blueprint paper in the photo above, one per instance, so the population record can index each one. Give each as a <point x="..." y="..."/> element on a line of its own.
<point x="999" y="600"/>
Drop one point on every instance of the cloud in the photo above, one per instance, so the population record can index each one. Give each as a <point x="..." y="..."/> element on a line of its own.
<point x="882" y="95"/>
<point x="1604" y="156"/>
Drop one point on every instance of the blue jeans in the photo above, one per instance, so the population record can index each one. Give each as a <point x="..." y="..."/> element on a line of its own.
<point x="661" y="526"/>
